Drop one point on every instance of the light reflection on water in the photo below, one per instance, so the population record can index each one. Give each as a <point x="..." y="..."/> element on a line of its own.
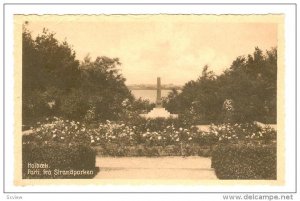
<point x="149" y="94"/>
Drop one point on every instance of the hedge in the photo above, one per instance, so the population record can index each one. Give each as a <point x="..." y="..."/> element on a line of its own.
<point x="115" y="150"/>
<point x="241" y="161"/>
<point x="76" y="161"/>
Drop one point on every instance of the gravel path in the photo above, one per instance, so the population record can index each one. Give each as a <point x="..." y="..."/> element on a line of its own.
<point x="155" y="168"/>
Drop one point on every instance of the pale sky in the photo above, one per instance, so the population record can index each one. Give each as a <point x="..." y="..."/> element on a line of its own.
<point x="175" y="50"/>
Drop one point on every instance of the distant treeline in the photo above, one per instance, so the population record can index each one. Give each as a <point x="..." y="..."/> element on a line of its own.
<point x="153" y="87"/>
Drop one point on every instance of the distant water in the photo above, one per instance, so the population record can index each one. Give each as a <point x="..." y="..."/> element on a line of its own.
<point x="149" y="94"/>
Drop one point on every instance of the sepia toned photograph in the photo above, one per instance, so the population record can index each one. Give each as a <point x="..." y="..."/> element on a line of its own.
<point x="163" y="98"/>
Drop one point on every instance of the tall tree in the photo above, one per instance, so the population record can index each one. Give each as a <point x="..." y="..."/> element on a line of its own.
<point x="49" y="69"/>
<point x="104" y="87"/>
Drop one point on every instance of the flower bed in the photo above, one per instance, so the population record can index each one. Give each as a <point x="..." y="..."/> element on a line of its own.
<point x="142" y="137"/>
<point x="237" y="132"/>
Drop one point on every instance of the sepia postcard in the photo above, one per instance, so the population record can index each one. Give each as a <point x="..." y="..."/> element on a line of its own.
<point x="149" y="99"/>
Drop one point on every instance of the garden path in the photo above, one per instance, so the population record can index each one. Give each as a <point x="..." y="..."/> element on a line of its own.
<point x="186" y="168"/>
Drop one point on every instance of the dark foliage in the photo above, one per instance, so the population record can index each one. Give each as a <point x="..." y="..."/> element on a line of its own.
<point x="238" y="161"/>
<point x="250" y="82"/>
<point x="55" y="83"/>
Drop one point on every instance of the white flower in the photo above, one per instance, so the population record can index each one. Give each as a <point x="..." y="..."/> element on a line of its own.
<point x="180" y="129"/>
<point x="190" y="138"/>
<point x="83" y="129"/>
<point x="177" y="139"/>
<point x="92" y="141"/>
<point x="159" y="137"/>
<point x="62" y="138"/>
<point x="54" y="136"/>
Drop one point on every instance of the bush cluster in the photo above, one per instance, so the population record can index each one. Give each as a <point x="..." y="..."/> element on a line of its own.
<point x="245" y="161"/>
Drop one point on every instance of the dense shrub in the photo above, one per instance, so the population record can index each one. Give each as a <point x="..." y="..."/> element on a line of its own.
<point x="59" y="158"/>
<point x="245" y="161"/>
